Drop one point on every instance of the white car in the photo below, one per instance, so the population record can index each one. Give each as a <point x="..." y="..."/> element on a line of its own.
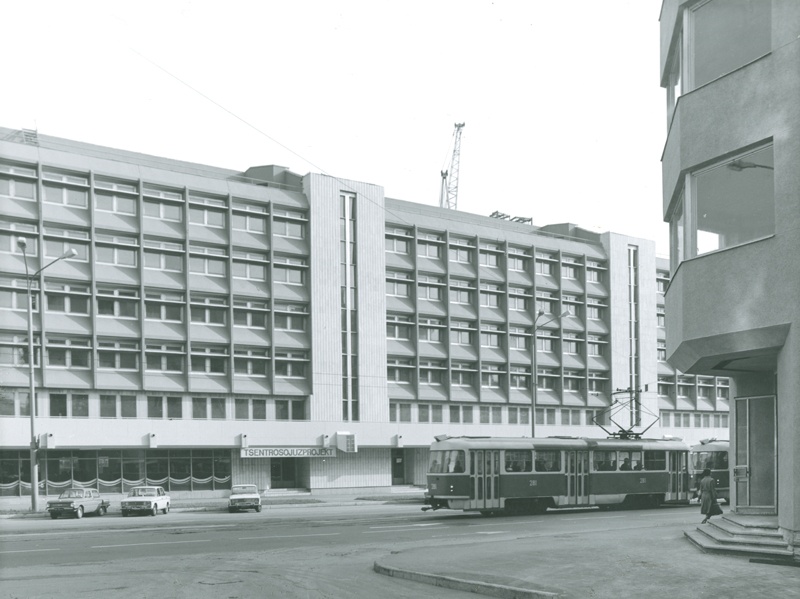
<point x="145" y="500"/>
<point x="244" y="497"/>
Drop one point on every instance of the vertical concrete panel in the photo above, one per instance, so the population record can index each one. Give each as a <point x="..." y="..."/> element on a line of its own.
<point x="365" y="469"/>
<point x="250" y="470"/>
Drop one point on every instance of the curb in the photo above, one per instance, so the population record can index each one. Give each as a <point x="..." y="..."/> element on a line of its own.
<point x="470" y="586"/>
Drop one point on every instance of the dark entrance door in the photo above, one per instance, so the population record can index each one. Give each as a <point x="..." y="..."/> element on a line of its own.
<point x="398" y="467"/>
<point x="755" y="454"/>
<point x="283" y="473"/>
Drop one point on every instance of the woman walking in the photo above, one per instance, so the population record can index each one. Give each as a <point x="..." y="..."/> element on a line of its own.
<point x="708" y="496"/>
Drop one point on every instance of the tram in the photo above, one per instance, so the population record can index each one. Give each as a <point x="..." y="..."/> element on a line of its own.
<point x="711" y="454"/>
<point x="523" y="475"/>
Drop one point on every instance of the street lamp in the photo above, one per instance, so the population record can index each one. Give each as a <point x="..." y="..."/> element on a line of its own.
<point x="70" y="253"/>
<point x="536" y="326"/>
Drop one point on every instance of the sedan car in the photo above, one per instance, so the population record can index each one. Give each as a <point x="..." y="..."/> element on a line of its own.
<point x="145" y="500"/>
<point x="77" y="502"/>
<point x="244" y="497"/>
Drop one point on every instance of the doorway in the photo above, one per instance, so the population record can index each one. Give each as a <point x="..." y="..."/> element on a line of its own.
<point x="577" y="477"/>
<point x="754" y="456"/>
<point x="398" y="467"/>
<point x="283" y="474"/>
<point x="485" y="475"/>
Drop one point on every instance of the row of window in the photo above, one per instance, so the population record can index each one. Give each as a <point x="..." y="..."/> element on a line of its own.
<point x="169" y="306"/>
<point x="81" y="405"/>
<point x="492" y="414"/>
<point x="693" y="419"/>
<point x="77" y="353"/>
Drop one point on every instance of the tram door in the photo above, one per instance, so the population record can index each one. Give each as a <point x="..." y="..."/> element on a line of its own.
<point x="577" y="469"/>
<point x="678" y="476"/>
<point x="485" y="478"/>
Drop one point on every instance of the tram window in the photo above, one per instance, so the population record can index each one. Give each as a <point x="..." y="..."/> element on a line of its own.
<point x="655" y="460"/>
<point x="605" y="461"/>
<point x="453" y="461"/>
<point x="624" y="460"/>
<point x="548" y="461"/>
<point x="636" y="460"/>
<point x="435" y="462"/>
<point x="720" y="460"/>
<point x="518" y="461"/>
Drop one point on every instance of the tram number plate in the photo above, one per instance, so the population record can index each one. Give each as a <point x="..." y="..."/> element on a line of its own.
<point x="642" y="480"/>
<point x="532" y="482"/>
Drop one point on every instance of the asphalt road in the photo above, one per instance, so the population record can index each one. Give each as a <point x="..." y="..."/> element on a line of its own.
<point x="293" y="552"/>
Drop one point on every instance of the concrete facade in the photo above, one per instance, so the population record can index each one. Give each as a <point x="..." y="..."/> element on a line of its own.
<point x="733" y="311"/>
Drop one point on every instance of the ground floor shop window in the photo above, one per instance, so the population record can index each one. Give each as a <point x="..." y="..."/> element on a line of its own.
<point x="116" y="471"/>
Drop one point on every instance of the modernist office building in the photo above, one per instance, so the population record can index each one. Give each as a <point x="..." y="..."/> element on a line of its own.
<point x="732" y="198"/>
<point x="305" y="331"/>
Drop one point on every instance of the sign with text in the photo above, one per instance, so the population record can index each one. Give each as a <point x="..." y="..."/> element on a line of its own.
<point x="288" y="452"/>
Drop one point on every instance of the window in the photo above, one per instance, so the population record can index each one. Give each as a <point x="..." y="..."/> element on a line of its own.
<point x="398" y="284"/>
<point x="174" y="407"/>
<point x="547" y="378"/>
<point x="67" y="299"/>
<point x="10" y="234"/>
<point x="14" y="295"/>
<point x="290" y="271"/>
<point x="430" y="330"/>
<point x="108" y="406"/>
<point x="428" y="250"/>
<point x="518" y="338"/>
<point x="120" y="303"/>
<point x="208" y="261"/>
<point x="725" y="36"/>
<point x="661" y="318"/>
<point x="400" y="370"/>
<point x="518" y="415"/>
<point x="544" y="264"/>
<point x="14" y="350"/>
<point x="209" y="359"/>
<point x="67" y="196"/>
<point x="732" y="202"/>
<point x="290" y="364"/>
<point x="163" y="255"/>
<point x="520" y="377"/>
<point x="460" y="254"/>
<point x="597" y="382"/>
<point x="431" y="372"/>
<point x="459" y="291"/>
<point x="74" y="405"/>
<point x="117" y="355"/>
<point x="396" y="245"/>
<point x="159" y="210"/>
<point x="545" y="343"/>
<point x="290" y="317"/>
<point x="517" y="303"/>
<point x="249" y="265"/>
<point x="206" y="216"/>
<point x="460" y="333"/>
<point x="17" y="188"/>
<point x="596" y="345"/>
<point x="491" y="415"/>
<point x="573" y="380"/>
<point x="547" y="461"/>
<point x="488" y="259"/>
<point x="250" y="314"/>
<point x="251" y="223"/>
<point x="251" y="361"/>
<point x="662" y="351"/>
<point x="209" y="310"/>
<point x="288" y="228"/>
<point x="155" y="406"/>
<point x="59" y="241"/>
<point x="68" y="353"/>
<point x="517" y="263"/>
<point x="398" y="327"/>
<point x="571" y="343"/>
<point x="568" y="271"/>
<point x="118" y="204"/>
<point x="165" y="358"/>
<point x="430" y="288"/>
<point x="117" y="250"/>
<point x="491" y="375"/>
<point x="461" y="374"/>
<point x="490" y="335"/>
<point x="164" y="306"/>
<point x="290" y="409"/>
<point x="490" y="295"/>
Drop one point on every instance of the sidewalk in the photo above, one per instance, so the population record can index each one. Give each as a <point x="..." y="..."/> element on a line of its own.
<point x="623" y="562"/>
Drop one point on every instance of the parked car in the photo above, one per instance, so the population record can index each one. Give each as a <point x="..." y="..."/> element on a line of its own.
<point x="145" y="500"/>
<point x="77" y="502"/>
<point x="244" y="497"/>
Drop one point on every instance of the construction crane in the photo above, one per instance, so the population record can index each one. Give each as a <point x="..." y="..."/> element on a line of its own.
<point x="448" y="196"/>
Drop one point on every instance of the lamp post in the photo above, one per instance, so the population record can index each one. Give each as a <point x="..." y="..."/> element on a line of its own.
<point x="23" y="245"/>
<point x="536" y="326"/>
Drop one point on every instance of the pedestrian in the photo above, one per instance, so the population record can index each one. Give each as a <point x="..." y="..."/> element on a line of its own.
<point x="708" y="496"/>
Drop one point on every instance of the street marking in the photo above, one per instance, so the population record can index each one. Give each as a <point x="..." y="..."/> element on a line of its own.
<point x="384" y="531"/>
<point x="111" y="530"/>
<point x="29" y="550"/>
<point x="594" y="518"/>
<point x="407" y="525"/>
<point x="322" y="534"/>
<point x="142" y="544"/>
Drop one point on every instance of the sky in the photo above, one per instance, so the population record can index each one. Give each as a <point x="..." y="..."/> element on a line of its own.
<point x="564" y="117"/>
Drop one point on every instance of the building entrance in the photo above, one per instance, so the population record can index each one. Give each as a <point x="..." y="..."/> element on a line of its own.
<point x="754" y="451"/>
<point x="283" y="473"/>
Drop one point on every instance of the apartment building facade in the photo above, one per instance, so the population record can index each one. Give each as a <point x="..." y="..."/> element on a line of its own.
<point x="218" y="326"/>
<point x="731" y="194"/>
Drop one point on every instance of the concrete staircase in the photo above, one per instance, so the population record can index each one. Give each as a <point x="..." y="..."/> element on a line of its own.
<point x="750" y="536"/>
